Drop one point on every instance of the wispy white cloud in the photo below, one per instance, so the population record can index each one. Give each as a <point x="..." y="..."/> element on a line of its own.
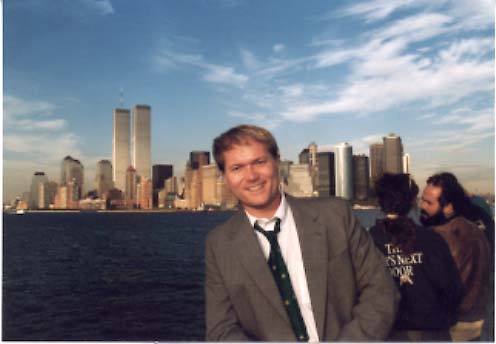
<point x="104" y="7"/>
<point x="225" y="75"/>
<point x="375" y="10"/>
<point x="214" y="73"/>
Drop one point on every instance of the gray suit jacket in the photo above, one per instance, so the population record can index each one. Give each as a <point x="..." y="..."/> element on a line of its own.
<point x="352" y="294"/>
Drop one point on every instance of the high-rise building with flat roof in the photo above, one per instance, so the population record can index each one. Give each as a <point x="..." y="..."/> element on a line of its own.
<point x="393" y="154"/>
<point x="344" y="170"/>
<point x="121" y="147"/>
<point x="142" y="140"/>
<point x="38" y="178"/>
<point x="361" y="176"/>
<point x="326" y="181"/>
<point x="103" y="177"/>
<point x="300" y="181"/>
<point x="376" y="162"/>
<point x="160" y="173"/>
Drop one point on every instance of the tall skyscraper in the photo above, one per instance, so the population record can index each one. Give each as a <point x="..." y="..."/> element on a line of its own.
<point x="376" y="162"/>
<point x="103" y="177"/>
<point x="344" y="171"/>
<point x="72" y="170"/>
<point x="361" y="176"/>
<point x="38" y="178"/>
<point x="120" y="147"/>
<point x="142" y="140"/>
<point x="393" y="154"/>
<point x="326" y="184"/>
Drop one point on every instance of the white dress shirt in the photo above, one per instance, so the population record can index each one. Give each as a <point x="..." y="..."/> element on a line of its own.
<point x="291" y="253"/>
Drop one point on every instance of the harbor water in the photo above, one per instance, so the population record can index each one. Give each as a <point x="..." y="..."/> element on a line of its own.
<point x="107" y="276"/>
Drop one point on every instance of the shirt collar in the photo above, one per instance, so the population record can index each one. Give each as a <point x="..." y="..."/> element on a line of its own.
<point x="280" y="213"/>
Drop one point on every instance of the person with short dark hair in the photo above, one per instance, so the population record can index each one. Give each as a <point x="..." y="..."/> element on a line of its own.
<point x="443" y="205"/>
<point x="286" y="269"/>
<point x="419" y="261"/>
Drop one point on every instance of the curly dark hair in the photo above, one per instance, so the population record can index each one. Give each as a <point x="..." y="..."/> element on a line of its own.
<point x="396" y="194"/>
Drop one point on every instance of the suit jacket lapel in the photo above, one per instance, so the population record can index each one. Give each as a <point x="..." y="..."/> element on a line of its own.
<point x="313" y="243"/>
<point x="251" y="257"/>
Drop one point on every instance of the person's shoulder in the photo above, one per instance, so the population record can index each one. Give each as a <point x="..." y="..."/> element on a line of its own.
<point x="429" y="236"/>
<point x="329" y="203"/>
<point x="223" y="230"/>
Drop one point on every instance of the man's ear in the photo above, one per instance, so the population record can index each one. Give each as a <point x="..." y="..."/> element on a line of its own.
<point x="448" y="210"/>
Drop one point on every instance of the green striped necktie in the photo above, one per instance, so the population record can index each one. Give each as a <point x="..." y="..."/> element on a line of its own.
<point x="281" y="277"/>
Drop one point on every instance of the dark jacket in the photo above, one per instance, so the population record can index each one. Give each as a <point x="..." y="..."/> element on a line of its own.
<point x="353" y="297"/>
<point x="427" y="279"/>
<point x="470" y="250"/>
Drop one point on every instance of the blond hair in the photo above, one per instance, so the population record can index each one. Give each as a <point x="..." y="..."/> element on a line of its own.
<point x="242" y="135"/>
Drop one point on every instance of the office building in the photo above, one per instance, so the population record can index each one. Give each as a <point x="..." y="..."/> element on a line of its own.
<point x="343" y="167"/>
<point x="393" y="154"/>
<point x="160" y="173"/>
<point x="38" y="178"/>
<point x="198" y="159"/>
<point x="72" y="170"/>
<point x="406" y="163"/>
<point x="326" y="179"/>
<point x="300" y="181"/>
<point x="376" y="161"/>
<point x="130" y="196"/>
<point x="120" y="147"/>
<point x="46" y="194"/>
<point x="103" y="177"/>
<point x="361" y="176"/>
<point x="210" y="174"/>
<point x="145" y="194"/>
<point x="284" y="173"/>
<point x="142" y="140"/>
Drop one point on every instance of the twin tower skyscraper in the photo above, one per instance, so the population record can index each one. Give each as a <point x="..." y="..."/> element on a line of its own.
<point x="121" y="144"/>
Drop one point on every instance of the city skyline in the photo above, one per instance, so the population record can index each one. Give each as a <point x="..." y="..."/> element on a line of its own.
<point x="328" y="73"/>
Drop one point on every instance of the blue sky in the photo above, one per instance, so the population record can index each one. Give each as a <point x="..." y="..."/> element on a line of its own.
<point x="322" y="71"/>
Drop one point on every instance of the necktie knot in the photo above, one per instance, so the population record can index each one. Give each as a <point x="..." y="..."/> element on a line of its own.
<point x="270" y="235"/>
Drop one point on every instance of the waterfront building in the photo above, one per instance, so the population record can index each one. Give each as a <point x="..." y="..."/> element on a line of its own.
<point x="120" y="147"/>
<point x="114" y="199"/>
<point x="103" y="177"/>
<point x="326" y="179"/>
<point x="46" y="194"/>
<point x="38" y="177"/>
<point x="406" y="163"/>
<point x="171" y="185"/>
<point x="304" y="156"/>
<point x="343" y="168"/>
<point x="393" y="154"/>
<point x="197" y="159"/>
<point x="210" y="174"/>
<point x="142" y="140"/>
<point x="361" y="176"/>
<point x="160" y="173"/>
<point x="300" y="181"/>
<point x="72" y="170"/>
<point x="226" y="198"/>
<point x="376" y="164"/>
<point x="130" y="188"/>
<point x="61" y="198"/>
<point x="145" y="193"/>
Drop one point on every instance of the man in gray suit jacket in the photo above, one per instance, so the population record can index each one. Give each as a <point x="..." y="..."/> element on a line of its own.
<point x="326" y="262"/>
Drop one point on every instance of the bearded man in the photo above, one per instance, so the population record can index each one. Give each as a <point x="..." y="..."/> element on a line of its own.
<point x="444" y="201"/>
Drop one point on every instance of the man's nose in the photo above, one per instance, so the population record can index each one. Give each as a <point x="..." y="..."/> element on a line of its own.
<point x="251" y="173"/>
